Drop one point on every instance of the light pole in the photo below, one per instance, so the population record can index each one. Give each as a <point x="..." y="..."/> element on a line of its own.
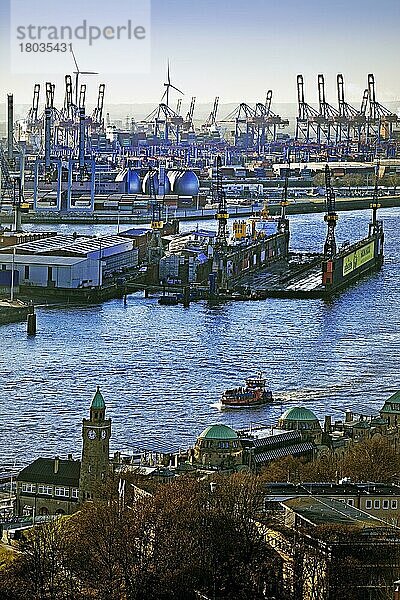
<point x="12" y="276"/>
<point x="100" y="271"/>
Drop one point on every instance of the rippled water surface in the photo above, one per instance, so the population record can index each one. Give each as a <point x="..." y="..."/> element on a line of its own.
<point x="161" y="369"/>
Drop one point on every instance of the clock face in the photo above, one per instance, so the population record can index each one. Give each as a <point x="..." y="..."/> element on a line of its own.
<point x="103" y="434"/>
<point x="91" y="434"/>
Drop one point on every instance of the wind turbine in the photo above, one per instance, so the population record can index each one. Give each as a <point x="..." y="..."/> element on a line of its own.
<point x="77" y="73"/>
<point x="168" y="85"/>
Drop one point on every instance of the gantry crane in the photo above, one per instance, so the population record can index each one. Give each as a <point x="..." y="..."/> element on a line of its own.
<point x="380" y="120"/>
<point x="327" y="128"/>
<point x="330" y="217"/>
<point x="267" y="122"/>
<point x="188" y="124"/>
<point x="167" y="123"/>
<point x="350" y="121"/>
<point x="211" y="122"/>
<point x="283" y="221"/>
<point x="222" y="215"/>
<point x="307" y="119"/>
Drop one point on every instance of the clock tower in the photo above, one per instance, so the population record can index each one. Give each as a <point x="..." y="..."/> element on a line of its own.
<point x="96" y="433"/>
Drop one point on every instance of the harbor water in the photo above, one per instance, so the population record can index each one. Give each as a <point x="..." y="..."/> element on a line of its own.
<point x="162" y="369"/>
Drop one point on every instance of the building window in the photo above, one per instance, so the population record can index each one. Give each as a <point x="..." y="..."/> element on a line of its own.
<point x="223" y="444"/>
<point x="350" y="502"/>
<point x="394" y="504"/>
<point x="45" y="489"/>
<point x="3" y="267"/>
<point x="385" y="504"/>
<point x="49" y="273"/>
<point x="368" y="504"/>
<point x="377" y="503"/>
<point x="26" y="272"/>
<point x="75" y="493"/>
<point x="30" y="488"/>
<point x="62" y="491"/>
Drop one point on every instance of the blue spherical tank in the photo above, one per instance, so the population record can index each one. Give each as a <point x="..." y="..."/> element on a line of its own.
<point x="186" y="184"/>
<point x="133" y="185"/>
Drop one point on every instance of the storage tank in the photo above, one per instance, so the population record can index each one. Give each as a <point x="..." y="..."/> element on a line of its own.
<point x="133" y="184"/>
<point x="186" y="184"/>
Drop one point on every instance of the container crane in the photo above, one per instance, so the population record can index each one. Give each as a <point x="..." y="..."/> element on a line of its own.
<point x="307" y="119"/>
<point x="350" y="121"/>
<point x="167" y="123"/>
<point x="188" y="122"/>
<point x="97" y="115"/>
<point x="380" y="120"/>
<point x="245" y="128"/>
<point x="327" y="131"/>
<point x="211" y="122"/>
<point x="267" y="122"/>
<point x="330" y="217"/>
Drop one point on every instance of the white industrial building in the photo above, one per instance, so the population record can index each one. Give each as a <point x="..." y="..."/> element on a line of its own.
<point x="54" y="271"/>
<point x="70" y="262"/>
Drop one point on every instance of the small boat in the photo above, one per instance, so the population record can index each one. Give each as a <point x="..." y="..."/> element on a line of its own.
<point x="253" y="394"/>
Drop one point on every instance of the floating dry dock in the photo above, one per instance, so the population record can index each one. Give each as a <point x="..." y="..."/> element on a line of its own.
<point x="318" y="275"/>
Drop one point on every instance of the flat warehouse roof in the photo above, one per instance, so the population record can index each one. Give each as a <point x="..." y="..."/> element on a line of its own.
<point x="68" y="243"/>
<point x="33" y="259"/>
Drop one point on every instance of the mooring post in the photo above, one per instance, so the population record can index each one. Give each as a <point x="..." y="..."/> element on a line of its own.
<point x="31" y="321"/>
<point x="186" y="296"/>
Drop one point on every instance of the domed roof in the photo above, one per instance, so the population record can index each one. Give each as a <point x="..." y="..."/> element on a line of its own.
<point x="98" y="400"/>
<point x="298" y="413"/>
<point x="186" y="184"/>
<point x="134" y="185"/>
<point x="218" y="432"/>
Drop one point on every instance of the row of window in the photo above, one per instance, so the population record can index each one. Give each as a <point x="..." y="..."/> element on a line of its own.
<point x="376" y="504"/>
<point x="27" y="271"/>
<point x="221" y="444"/>
<point x="386" y="504"/>
<point x="49" y="490"/>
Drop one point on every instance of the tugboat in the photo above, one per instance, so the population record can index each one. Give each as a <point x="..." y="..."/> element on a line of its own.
<point x="253" y="394"/>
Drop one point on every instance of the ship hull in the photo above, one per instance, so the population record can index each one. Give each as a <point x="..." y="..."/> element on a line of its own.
<point x="248" y="403"/>
<point x="352" y="263"/>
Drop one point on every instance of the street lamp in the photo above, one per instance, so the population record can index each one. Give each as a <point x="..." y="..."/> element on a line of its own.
<point x="100" y="270"/>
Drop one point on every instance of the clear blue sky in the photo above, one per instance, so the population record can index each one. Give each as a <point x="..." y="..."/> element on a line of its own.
<point x="238" y="50"/>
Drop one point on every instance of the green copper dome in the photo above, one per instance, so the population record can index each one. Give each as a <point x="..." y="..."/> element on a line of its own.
<point x="98" y="400"/>
<point x="395" y="399"/>
<point x="298" y="413"/>
<point x="218" y="432"/>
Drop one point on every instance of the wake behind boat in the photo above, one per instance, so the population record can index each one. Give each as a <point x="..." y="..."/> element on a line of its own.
<point x="254" y="393"/>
